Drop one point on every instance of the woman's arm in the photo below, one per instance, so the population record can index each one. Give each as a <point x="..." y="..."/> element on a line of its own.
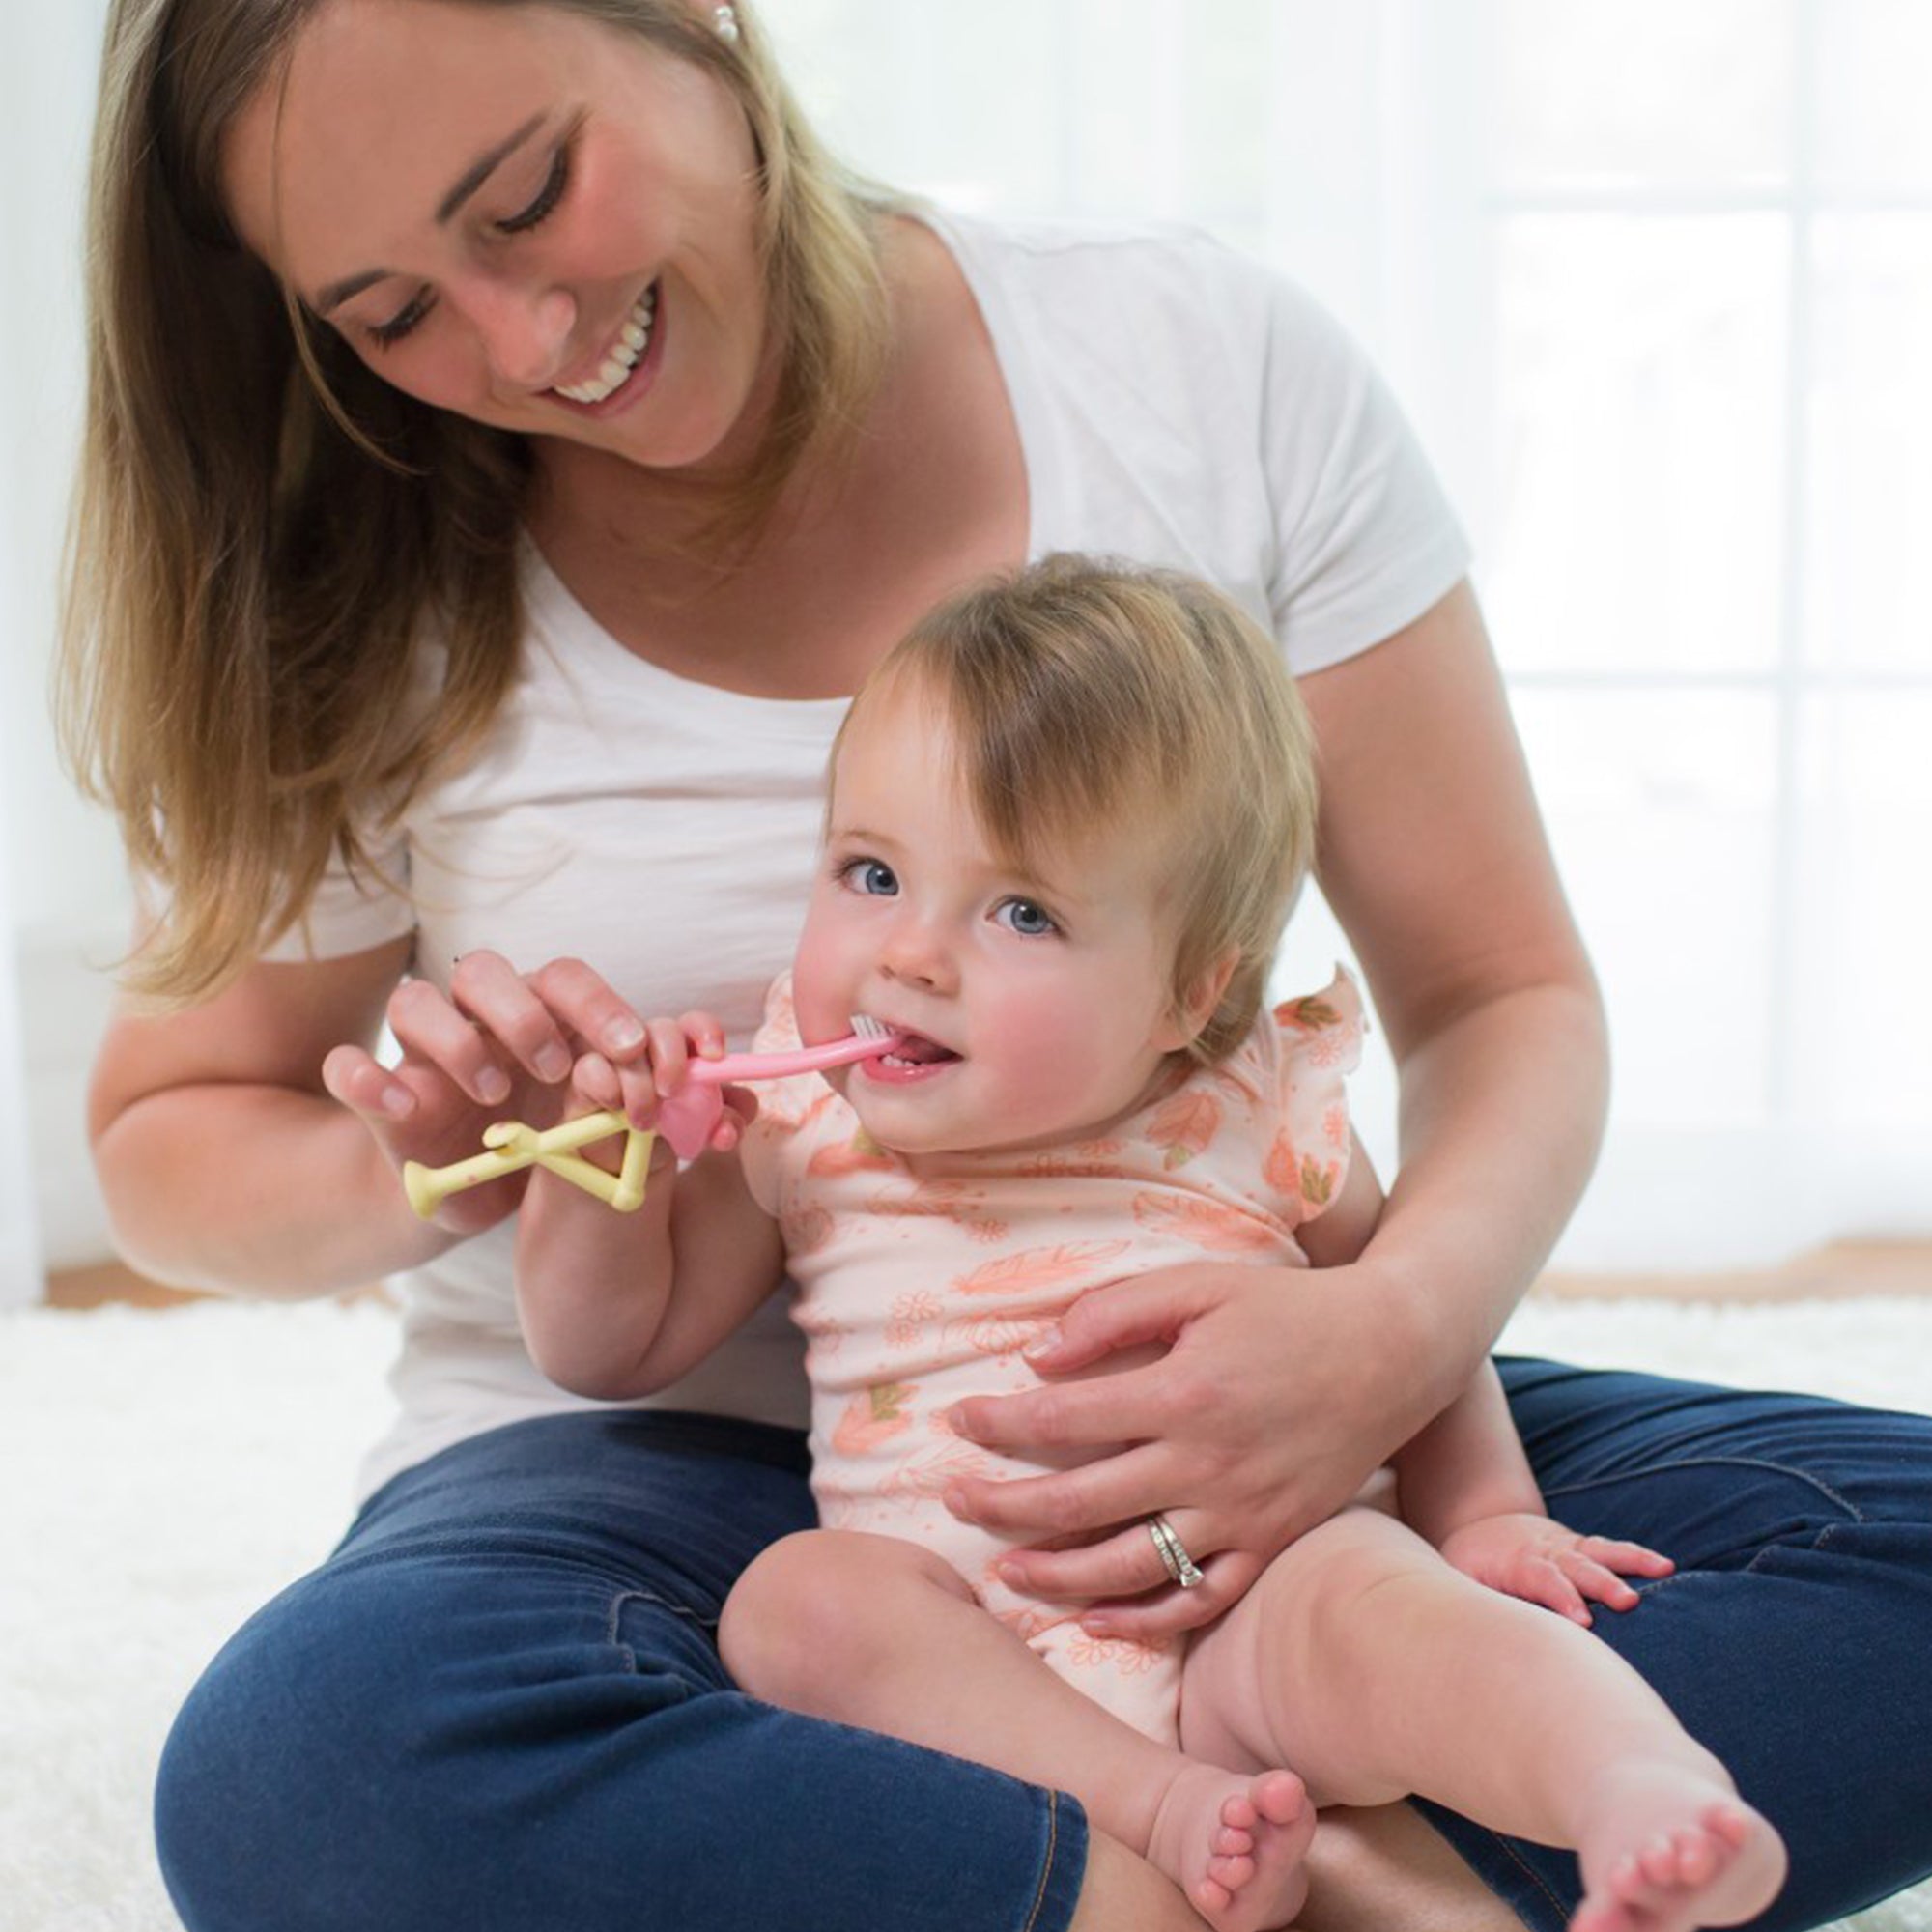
<point x="1283" y="1390"/>
<point x="252" y="1144"/>
<point x="224" y="1162"/>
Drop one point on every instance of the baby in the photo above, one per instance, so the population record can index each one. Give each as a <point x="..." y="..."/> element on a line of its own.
<point x="1066" y="819"/>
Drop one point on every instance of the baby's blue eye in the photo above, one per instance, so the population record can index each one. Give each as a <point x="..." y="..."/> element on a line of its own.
<point x="1024" y="917"/>
<point x="872" y="876"/>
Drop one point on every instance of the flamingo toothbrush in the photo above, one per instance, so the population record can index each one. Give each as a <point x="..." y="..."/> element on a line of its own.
<point x="687" y="1119"/>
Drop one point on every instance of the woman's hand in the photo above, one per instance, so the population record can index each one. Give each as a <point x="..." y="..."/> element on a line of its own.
<point x="500" y="1045"/>
<point x="1279" y="1393"/>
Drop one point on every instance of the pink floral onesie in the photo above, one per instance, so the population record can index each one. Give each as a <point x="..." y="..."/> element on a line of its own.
<point x="920" y="1280"/>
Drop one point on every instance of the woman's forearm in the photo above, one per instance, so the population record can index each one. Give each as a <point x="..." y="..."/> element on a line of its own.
<point x="255" y="1190"/>
<point x="1502" y="1114"/>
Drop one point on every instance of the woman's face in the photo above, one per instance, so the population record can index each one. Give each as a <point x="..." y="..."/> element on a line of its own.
<point x="517" y="213"/>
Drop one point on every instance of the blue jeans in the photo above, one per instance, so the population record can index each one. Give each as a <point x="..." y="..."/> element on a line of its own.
<point x="499" y="1704"/>
<point x="498" y="1707"/>
<point x="1794" y="1638"/>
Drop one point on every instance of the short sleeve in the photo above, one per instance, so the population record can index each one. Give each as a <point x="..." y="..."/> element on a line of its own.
<point x="1366" y="539"/>
<point x="1318" y="1041"/>
<point x="353" y="912"/>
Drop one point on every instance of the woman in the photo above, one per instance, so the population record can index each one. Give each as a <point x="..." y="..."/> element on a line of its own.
<point x="509" y="443"/>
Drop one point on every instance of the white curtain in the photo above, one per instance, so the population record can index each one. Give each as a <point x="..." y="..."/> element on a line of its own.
<point x="1655" y="282"/>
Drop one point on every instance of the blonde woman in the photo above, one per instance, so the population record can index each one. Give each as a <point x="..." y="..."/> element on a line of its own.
<point x="510" y="442"/>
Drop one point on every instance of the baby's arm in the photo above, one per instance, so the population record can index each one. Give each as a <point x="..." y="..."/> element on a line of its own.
<point x="1465" y="1482"/>
<point x="1466" y="1485"/>
<point x="620" y="1305"/>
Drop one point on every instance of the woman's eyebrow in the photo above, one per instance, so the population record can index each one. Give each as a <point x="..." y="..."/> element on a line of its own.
<point x="464" y="185"/>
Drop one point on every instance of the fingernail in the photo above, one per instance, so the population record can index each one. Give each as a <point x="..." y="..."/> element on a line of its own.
<point x="398" y="1102"/>
<point x="1097" y="1627"/>
<point x="1011" y="1575"/>
<point x="955" y="1501"/>
<point x="553" y="1061"/>
<point x="1044" y="1343"/>
<point x="620" y="1035"/>
<point x="494" y="1085"/>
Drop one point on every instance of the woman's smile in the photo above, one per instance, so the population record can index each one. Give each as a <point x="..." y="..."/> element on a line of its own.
<point x="520" y="214"/>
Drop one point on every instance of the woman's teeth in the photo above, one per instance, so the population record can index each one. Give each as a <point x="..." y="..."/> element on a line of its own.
<point x="633" y="339"/>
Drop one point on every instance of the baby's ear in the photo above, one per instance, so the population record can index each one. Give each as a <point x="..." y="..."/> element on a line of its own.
<point x="1199" y="997"/>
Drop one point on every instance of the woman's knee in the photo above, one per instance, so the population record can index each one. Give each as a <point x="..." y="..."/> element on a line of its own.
<point x="263" y="1757"/>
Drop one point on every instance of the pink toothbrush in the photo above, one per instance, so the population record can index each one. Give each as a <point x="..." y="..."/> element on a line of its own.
<point x="689" y="1117"/>
<point x="687" y="1120"/>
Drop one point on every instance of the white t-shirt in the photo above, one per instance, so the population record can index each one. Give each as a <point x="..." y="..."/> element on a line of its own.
<point x="1177" y="404"/>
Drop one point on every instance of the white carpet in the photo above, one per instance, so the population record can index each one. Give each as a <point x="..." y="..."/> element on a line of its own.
<point x="160" y="1475"/>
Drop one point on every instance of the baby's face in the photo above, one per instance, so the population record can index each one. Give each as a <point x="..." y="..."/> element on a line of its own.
<point x="1037" y="1003"/>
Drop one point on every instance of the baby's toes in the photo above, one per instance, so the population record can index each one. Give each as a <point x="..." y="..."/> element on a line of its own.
<point x="1238" y="1813"/>
<point x="1231" y="1842"/>
<point x="1230" y="1874"/>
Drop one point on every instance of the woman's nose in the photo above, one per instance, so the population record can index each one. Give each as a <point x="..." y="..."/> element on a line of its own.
<point x="524" y="332"/>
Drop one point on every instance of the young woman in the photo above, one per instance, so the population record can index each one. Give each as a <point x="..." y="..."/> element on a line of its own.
<point x="509" y="443"/>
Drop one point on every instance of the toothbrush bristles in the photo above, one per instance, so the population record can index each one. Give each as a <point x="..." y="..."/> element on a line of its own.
<point x="867" y="1027"/>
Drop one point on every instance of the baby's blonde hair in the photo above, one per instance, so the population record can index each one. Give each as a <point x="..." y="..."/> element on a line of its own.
<point x="1086" y="696"/>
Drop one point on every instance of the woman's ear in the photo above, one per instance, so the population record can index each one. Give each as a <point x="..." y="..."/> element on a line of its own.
<point x="1197" y="1000"/>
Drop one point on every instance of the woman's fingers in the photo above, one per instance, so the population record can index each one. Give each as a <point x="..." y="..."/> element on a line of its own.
<point x="1119" y="1315"/>
<point x="1118" y="1488"/>
<point x="1123" y="1407"/>
<point x="1226" y="1580"/>
<point x="582" y="1000"/>
<point x="1124" y="1564"/>
<point x="429" y="1028"/>
<point x="356" y="1078"/>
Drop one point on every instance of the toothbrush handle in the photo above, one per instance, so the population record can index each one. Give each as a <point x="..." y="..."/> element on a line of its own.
<point x="688" y="1118"/>
<point x="780" y="1066"/>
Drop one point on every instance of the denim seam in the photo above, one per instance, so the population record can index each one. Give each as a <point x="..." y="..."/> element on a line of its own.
<point x="1805" y="1476"/>
<point x="623" y="1597"/>
<point x="1824" y="1537"/>
<point x="1046" y="1864"/>
<point x="1535" y="1879"/>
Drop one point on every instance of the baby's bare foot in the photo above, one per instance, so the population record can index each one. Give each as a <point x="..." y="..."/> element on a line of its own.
<point x="1667" y="1848"/>
<point x="1235" y="1845"/>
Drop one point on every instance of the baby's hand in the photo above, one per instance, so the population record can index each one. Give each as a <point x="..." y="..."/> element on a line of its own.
<point x="1537" y="1559"/>
<point x="638" y="1089"/>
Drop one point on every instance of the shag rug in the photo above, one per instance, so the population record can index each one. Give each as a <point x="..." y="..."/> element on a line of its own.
<point x="162" y="1474"/>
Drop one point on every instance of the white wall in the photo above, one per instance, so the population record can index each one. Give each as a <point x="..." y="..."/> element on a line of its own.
<point x="63" y="892"/>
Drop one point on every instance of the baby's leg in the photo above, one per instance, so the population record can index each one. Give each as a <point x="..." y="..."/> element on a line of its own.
<point x="871" y="1631"/>
<point x="1377" y="1669"/>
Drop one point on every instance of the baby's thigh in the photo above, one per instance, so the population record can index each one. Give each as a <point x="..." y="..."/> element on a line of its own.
<point x="1258" y="1686"/>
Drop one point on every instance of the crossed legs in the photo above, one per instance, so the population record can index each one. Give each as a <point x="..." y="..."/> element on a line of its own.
<point x="1360" y="1663"/>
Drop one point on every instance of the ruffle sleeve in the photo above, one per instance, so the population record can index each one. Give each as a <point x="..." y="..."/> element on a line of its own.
<point x="1318" y="1042"/>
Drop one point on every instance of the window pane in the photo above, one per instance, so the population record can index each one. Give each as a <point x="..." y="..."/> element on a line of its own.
<point x="1873" y="133"/>
<point x="1646" y="92"/>
<point x="1864" y="1028"/>
<point x="1660" y="808"/>
<point x="1640" y="381"/>
<point x="1868" y="481"/>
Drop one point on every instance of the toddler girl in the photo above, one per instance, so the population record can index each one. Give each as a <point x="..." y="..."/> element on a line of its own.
<point x="1066" y="819"/>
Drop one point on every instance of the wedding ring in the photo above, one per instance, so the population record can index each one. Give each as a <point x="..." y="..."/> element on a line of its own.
<point x="1174" y="1556"/>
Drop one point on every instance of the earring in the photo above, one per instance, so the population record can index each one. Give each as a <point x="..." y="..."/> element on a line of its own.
<point x="725" y="25"/>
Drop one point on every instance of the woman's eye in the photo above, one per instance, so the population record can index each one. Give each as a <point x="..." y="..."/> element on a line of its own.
<point x="1024" y="917"/>
<point x="398" y="325"/>
<point x="547" y="196"/>
<point x="871" y="876"/>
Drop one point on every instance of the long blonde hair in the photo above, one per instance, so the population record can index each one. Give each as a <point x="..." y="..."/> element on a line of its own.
<point x="263" y="530"/>
<point x="1084" y="695"/>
